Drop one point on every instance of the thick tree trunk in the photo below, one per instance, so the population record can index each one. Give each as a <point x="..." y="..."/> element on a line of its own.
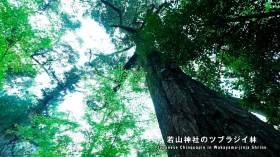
<point x="185" y="107"/>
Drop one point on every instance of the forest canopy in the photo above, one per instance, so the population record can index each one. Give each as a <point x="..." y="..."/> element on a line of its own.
<point x="205" y="65"/>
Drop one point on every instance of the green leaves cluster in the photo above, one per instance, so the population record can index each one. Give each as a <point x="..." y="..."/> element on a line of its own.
<point x="18" y="40"/>
<point x="115" y="120"/>
<point x="214" y="41"/>
<point x="113" y="129"/>
<point x="49" y="135"/>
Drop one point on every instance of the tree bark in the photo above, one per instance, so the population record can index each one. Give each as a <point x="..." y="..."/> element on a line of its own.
<point x="185" y="107"/>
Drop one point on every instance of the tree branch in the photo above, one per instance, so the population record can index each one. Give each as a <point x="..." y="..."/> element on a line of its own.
<point x="43" y="8"/>
<point x="162" y="7"/>
<point x="46" y="6"/>
<point x="97" y="71"/>
<point x="128" y="29"/>
<point x="117" y="133"/>
<point x="114" y="53"/>
<point x="4" y="54"/>
<point x="132" y="61"/>
<point x="115" y="9"/>
<point x="51" y="76"/>
<point x="158" y="10"/>
<point x="220" y="64"/>
<point x="41" y="65"/>
<point x="131" y="30"/>
<point x="128" y="65"/>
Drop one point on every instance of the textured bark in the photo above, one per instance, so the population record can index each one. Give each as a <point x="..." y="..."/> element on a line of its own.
<point x="185" y="107"/>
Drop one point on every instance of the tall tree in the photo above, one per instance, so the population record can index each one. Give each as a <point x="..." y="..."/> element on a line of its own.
<point x="200" y="38"/>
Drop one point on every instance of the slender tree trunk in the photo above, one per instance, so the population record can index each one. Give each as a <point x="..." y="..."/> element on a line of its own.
<point x="185" y="107"/>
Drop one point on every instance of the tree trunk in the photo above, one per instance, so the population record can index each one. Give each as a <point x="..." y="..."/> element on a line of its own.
<point x="185" y="107"/>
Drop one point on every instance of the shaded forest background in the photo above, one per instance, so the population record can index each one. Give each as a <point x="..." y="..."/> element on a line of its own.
<point x="224" y="45"/>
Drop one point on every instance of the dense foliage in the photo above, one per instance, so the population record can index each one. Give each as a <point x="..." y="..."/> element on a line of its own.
<point x="224" y="45"/>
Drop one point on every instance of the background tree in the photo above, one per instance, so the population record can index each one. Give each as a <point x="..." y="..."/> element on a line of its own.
<point x="28" y="51"/>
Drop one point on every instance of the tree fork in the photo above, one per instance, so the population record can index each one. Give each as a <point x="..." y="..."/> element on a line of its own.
<point x="185" y="107"/>
<point x="128" y="29"/>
